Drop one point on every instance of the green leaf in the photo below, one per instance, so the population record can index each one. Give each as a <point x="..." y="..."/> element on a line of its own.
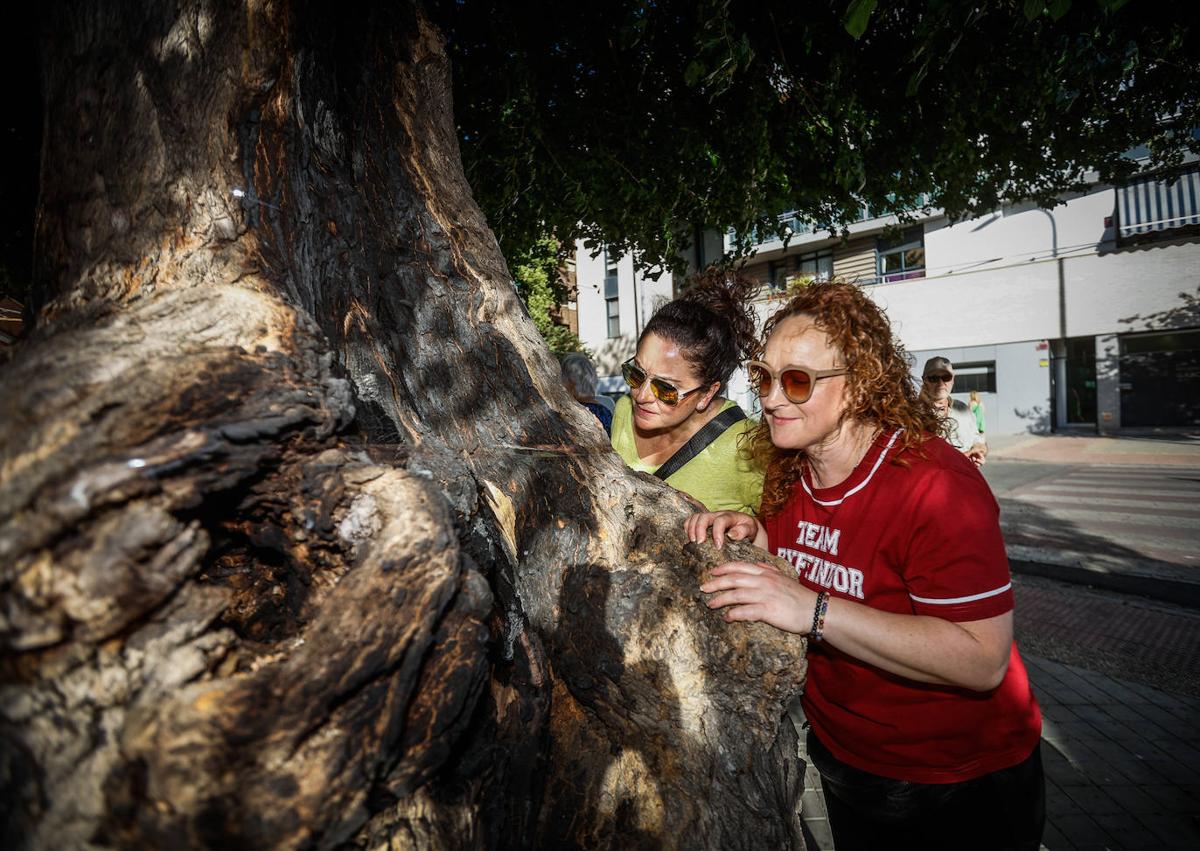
<point x="1058" y="8"/>
<point x="1033" y="8"/>
<point x="858" y="13"/>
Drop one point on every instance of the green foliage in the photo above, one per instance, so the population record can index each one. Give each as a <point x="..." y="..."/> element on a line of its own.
<point x="535" y="273"/>
<point x="858" y="13"/>
<point x="631" y="123"/>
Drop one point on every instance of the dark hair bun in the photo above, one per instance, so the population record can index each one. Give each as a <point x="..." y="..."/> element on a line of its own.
<point x="727" y="293"/>
<point x="712" y="321"/>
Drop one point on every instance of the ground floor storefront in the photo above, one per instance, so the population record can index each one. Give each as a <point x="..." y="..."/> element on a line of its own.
<point x="1100" y="383"/>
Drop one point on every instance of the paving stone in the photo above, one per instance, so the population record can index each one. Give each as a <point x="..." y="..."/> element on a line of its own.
<point x="821" y="834"/>
<point x="1079" y="730"/>
<point x="1117" y="731"/>
<point x="1183" y="708"/>
<point x="1175" y="831"/>
<point x="1053" y="839"/>
<point x="1100" y="770"/>
<point x="812" y="805"/>
<point x="1128" y="832"/>
<point x="1172" y="769"/>
<point x="1058" y="802"/>
<point x="1136" y="799"/>
<point x="1127" y="693"/>
<point x="1064" y="712"/>
<point x="1050" y="692"/>
<point x="1092" y="799"/>
<point x="1127" y="712"/>
<point x="1129" y="760"/>
<point x="1172" y="799"/>
<point x="1168" y="721"/>
<point x="1059" y="769"/>
<point x="1082" y="830"/>
<point x="1186" y="753"/>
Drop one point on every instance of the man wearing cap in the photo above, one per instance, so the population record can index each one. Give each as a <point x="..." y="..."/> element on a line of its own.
<point x="961" y="430"/>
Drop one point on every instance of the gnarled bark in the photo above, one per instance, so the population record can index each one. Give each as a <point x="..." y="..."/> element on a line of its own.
<point x="301" y="542"/>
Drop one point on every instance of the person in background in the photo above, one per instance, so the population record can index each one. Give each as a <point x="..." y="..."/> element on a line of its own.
<point x="921" y="718"/>
<point x="959" y="428"/>
<point x="978" y="410"/>
<point x="579" y="377"/>
<point x="685" y="355"/>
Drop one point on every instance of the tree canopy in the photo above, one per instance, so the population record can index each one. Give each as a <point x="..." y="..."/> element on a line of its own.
<point x="632" y="122"/>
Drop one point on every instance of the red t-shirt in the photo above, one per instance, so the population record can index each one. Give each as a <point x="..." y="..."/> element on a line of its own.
<point x="918" y="539"/>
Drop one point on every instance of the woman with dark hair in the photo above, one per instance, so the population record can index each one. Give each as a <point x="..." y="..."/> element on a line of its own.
<point x="685" y="355"/>
<point x="922" y="722"/>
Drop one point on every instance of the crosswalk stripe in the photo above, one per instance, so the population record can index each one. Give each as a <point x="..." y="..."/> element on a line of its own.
<point x="1092" y="489"/>
<point x="1166" y="506"/>
<point x="1108" y="519"/>
<point x="1171" y="481"/>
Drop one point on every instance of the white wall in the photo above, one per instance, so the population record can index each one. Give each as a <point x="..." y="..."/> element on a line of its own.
<point x="973" y="308"/>
<point x="995" y="279"/>
<point x="1141" y="289"/>
<point x="639" y="297"/>
<point x="1019" y="233"/>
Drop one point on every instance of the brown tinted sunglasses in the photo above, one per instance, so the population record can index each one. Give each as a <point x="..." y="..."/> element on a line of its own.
<point x="797" y="382"/>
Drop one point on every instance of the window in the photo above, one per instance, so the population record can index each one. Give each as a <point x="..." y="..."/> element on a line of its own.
<point x="612" y="299"/>
<point x="979" y="376"/>
<point x="817" y="266"/>
<point x="779" y="276"/>
<point x="899" y="262"/>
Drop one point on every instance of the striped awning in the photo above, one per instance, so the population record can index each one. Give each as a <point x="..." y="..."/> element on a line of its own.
<point x="1153" y="205"/>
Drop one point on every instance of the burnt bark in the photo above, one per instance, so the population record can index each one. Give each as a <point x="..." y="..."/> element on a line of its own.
<point x="301" y="542"/>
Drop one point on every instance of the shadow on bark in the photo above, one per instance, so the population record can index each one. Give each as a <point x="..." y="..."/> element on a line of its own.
<point x="302" y="543"/>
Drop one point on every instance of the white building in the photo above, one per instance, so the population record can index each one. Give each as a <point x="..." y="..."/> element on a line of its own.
<point x="1084" y="316"/>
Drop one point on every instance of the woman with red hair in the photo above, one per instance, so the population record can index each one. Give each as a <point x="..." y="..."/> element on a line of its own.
<point x="922" y="722"/>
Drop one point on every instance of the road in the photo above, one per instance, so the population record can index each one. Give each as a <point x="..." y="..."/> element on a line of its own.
<point x="1110" y="515"/>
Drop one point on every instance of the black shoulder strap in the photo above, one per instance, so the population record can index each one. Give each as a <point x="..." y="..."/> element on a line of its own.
<point x="713" y="429"/>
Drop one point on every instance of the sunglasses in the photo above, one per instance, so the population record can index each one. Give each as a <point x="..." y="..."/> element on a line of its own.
<point x="939" y="379"/>
<point x="797" y="382"/>
<point x="664" y="391"/>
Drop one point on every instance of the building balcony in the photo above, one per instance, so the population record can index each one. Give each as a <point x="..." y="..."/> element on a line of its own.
<point x="799" y="232"/>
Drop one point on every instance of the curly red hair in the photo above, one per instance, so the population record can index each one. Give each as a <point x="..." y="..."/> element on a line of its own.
<point x="879" y="391"/>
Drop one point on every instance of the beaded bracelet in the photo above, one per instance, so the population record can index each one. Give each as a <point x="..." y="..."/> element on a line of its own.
<point x="818" y="624"/>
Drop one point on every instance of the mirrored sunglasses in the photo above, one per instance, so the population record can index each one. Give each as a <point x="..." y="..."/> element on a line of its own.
<point x="664" y="391"/>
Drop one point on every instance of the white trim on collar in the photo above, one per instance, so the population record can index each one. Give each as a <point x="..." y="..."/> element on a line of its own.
<point x="860" y="485"/>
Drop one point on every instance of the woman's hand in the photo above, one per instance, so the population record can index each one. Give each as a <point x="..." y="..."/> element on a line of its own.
<point x="724" y="524"/>
<point x="759" y="592"/>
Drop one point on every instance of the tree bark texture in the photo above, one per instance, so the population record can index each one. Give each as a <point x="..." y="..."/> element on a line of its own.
<point x="301" y="542"/>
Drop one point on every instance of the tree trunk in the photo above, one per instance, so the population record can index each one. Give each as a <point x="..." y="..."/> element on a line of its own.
<point x="301" y="542"/>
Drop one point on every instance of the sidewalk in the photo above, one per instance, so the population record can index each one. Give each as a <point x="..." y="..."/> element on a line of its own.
<point x="1122" y="764"/>
<point x="1121" y="513"/>
<point x="1177" y="448"/>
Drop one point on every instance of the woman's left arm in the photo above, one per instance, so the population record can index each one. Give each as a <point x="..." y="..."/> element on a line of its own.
<point x="970" y="654"/>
